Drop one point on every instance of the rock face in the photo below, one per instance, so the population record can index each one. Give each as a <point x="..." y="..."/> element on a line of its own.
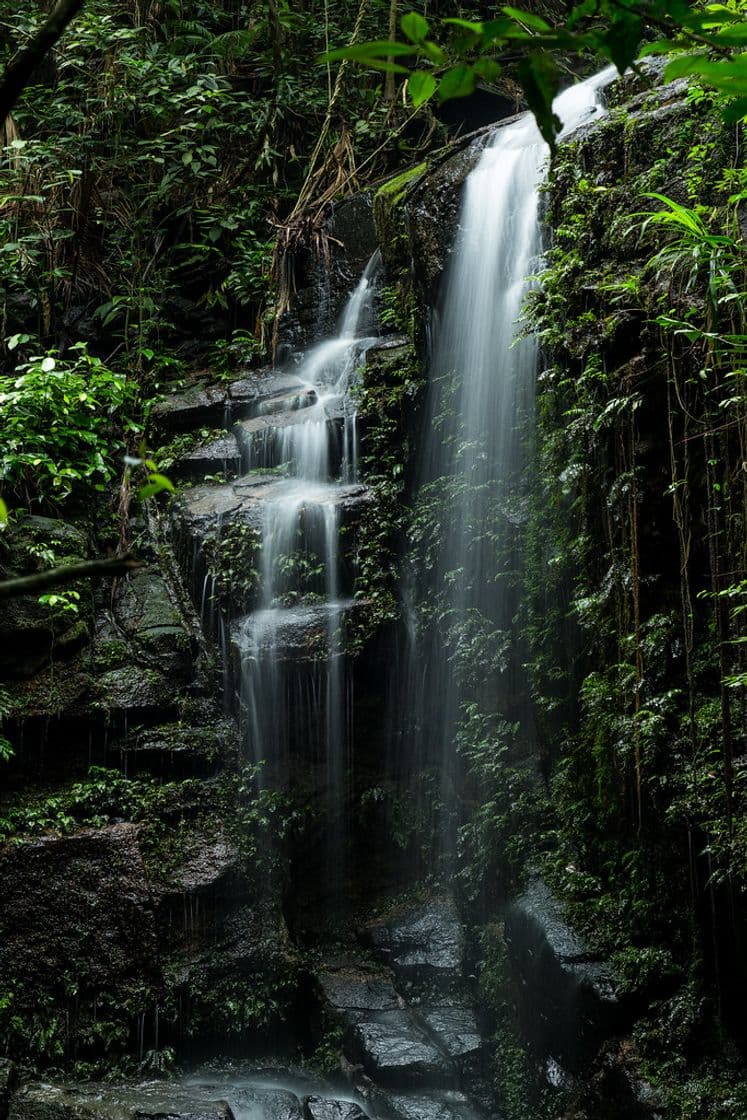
<point x="424" y="942"/>
<point x="568" y="998"/>
<point x="81" y="898"/>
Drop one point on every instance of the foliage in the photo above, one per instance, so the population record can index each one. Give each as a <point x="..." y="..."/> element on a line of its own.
<point x="61" y="416"/>
<point x="476" y="51"/>
<point x="634" y="622"/>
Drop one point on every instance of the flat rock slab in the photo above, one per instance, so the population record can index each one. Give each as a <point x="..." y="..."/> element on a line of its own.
<point x="348" y="989"/>
<point x="220" y="405"/>
<point x="266" y="1104"/>
<point x="219" y="456"/>
<point x="456" y="1030"/>
<point x="395" y="1051"/>
<point x="422" y="942"/>
<point x="320" y="1108"/>
<point x="101" y="1102"/>
<point x="291" y="634"/>
<point x="203" y="506"/>
<point x="434" y="1106"/>
<point x="201" y="406"/>
<point x="175" y="751"/>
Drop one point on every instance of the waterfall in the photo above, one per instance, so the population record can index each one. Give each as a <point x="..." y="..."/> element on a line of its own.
<point x="475" y="448"/>
<point x="294" y="687"/>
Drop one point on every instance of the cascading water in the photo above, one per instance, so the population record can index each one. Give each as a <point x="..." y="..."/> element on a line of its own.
<point x="475" y="451"/>
<point x="294" y="683"/>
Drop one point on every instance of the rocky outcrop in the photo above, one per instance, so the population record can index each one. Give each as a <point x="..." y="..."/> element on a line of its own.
<point x="568" y="1000"/>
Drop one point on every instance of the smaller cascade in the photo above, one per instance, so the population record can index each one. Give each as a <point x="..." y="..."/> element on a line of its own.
<point x="294" y="685"/>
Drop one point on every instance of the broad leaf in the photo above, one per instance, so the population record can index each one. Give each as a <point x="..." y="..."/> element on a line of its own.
<point x="421" y="85"/>
<point x="414" y="27"/>
<point x="540" y="79"/>
<point x="536" y="23"/>
<point x="361" y="52"/>
<point x="458" y="82"/>
<point x="487" y="69"/>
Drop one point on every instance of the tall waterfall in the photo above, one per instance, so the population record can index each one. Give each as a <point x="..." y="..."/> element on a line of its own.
<point x="476" y="442"/>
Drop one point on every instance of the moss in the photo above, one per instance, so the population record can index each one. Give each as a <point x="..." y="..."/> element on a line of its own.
<point x="391" y="231"/>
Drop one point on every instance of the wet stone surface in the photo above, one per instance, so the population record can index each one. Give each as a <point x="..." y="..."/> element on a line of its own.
<point x="456" y="1030"/>
<point x="358" y="991"/>
<point x="395" y="1051"/>
<point x="433" y="1106"/>
<point x="423" y="942"/>
<point x="317" y="1108"/>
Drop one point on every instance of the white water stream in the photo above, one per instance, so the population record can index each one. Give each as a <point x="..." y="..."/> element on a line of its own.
<point x="476" y="445"/>
<point x="294" y="683"/>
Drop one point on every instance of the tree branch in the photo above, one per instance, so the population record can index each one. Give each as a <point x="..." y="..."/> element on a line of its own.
<point x="65" y="574"/>
<point x="22" y="65"/>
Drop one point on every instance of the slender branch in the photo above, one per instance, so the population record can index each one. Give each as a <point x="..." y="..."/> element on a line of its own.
<point x="22" y="65"/>
<point x="65" y="574"/>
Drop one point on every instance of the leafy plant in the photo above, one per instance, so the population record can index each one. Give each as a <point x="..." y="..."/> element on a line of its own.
<point x="65" y="424"/>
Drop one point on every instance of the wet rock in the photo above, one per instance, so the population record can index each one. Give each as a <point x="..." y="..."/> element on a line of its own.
<point x="322" y="286"/>
<point x="102" y="1102"/>
<point x="219" y="1110"/>
<point x="77" y="911"/>
<point x="151" y="620"/>
<point x="7" y="1084"/>
<point x="200" y="407"/>
<point x="423" y="942"/>
<point x="358" y="990"/>
<point x="395" y="1051"/>
<point x="133" y="693"/>
<point x="295" y="634"/>
<point x="432" y="212"/>
<point x="267" y="390"/>
<point x="434" y="1106"/>
<point x="568" y="998"/>
<point x="178" y="751"/>
<point x="320" y="1108"/>
<point x="268" y="1104"/>
<point x="31" y="633"/>
<point x="457" y="1033"/>
<point x="218" y="456"/>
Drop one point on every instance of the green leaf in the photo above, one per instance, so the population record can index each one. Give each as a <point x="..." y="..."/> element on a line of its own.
<point x="3" y="512"/>
<point x="497" y="29"/>
<point x="362" y="52"/>
<point x="457" y="82"/>
<point x="729" y="77"/>
<point x="536" y="23"/>
<point x="385" y="65"/>
<point x="487" y="69"/>
<point x="465" y="25"/>
<point x="414" y="27"/>
<point x="623" y="39"/>
<point x="433" y="52"/>
<point x="540" y="78"/>
<point x="735" y="111"/>
<point x="48" y="365"/>
<point x="421" y="85"/>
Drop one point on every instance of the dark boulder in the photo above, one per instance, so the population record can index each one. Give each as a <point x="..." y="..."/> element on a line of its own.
<point x="568" y="1001"/>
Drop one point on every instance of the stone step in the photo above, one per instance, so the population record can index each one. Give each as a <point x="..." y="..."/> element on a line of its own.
<point x="435" y="1105"/>
<point x="310" y="439"/>
<point x="395" y="1052"/>
<point x="291" y="634"/>
<point x="218" y="456"/>
<point x="422" y="943"/>
<point x="216" y="406"/>
<point x="219" y="529"/>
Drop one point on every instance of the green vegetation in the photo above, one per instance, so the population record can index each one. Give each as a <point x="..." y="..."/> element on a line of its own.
<point x="477" y="51"/>
<point x="57" y="428"/>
